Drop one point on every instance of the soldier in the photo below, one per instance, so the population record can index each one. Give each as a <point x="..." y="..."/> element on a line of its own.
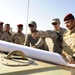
<point x="19" y="37"/>
<point x="69" y="39"/>
<point x="55" y="35"/>
<point x="1" y="29"/>
<point x="32" y="37"/>
<point x="7" y="33"/>
<point x="4" y="36"/>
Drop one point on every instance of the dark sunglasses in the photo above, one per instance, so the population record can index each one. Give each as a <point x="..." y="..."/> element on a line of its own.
<point x="31" y="26"/>
<point x="54" y="23"/>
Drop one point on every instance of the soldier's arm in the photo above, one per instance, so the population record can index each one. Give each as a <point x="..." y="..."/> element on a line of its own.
<point x="10" y="39"/>
<point x="27" y="43"/>
<point x="15" y="38"/>
<point x="43" y="34"/>
<point x="71" y="58"/>
<point x="69" y="50"/>
<point x="39" y="43"/>
<point x="46" y="33"/>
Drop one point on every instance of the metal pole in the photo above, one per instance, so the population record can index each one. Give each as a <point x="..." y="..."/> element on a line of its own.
<point x="27" y="15"/>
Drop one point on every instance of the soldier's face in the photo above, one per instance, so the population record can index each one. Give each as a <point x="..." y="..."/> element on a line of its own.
<point x="7" y="28"/>
<point x="70" y="24"/>
<point x="20" y="29"/>
<point x="56" y="26"/>
<point x="32" y="28"/>
<point x="1" y="27"/>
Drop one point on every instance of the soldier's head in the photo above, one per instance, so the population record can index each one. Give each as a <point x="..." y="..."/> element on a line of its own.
<point x="56" y="23"/>
<point x="7" y="27"/>
<point x="32" y="26"/>
<point x="20" y="27"/>
<point x="35" y="34"/>
<point x="69" y="21"/>
<point x="1" y="26"/>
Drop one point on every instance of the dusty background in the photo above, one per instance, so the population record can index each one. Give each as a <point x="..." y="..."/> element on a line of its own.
<point x="49" y="43"/>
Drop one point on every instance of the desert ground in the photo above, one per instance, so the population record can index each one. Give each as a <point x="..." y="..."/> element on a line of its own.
<point x="49" y="43"/>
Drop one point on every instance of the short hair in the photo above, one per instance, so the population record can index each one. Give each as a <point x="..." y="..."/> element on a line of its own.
<point x="7" y="25"/>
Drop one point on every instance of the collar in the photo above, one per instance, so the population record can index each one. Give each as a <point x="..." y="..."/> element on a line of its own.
<point x="72" y="30"/>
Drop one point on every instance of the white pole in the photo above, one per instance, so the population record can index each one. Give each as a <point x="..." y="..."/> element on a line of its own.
<point x="27" y="16"/>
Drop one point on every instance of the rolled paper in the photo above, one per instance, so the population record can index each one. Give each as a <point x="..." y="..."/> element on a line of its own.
<point x="33" y="52"/>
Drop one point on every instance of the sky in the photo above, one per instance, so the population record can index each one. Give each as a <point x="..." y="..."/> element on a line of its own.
<point x="41" y="11"/>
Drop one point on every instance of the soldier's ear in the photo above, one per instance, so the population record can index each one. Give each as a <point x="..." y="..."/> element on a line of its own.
<point x="36" y="26"/>
<point x="59" y="22"/>
<point x="74" y="20"/>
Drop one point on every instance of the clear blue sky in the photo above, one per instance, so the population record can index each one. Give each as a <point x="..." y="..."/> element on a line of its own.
<point x="41" y="11"/>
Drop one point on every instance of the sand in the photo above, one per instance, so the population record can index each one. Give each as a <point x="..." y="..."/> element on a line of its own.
<point x="49" y="43"/>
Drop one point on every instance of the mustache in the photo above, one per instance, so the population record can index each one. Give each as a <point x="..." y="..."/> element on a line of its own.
<point x="67" y="25"/>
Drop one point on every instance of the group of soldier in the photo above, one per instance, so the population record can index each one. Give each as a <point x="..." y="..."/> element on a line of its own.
<point x="63" y="40"/>
<point x="5" y="34"/>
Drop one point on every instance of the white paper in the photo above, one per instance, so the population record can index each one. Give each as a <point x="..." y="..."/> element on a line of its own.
<point x="34" y="53"/>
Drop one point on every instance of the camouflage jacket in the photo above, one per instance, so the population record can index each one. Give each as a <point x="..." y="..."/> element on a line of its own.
<point x="18" y="38"/>
<point x="56" y="37"/>
<point x="69" y="42"/>
<point x="5" y="36"/>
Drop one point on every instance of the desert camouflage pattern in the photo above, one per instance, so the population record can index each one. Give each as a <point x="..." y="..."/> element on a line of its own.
<point x="56" y="37"/>
<point x="5" y="36"/>
<point x="69" y="42"/>
<point x="18" y="38"/>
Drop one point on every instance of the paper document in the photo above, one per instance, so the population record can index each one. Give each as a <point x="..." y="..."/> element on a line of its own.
<point x="34" y="53"/>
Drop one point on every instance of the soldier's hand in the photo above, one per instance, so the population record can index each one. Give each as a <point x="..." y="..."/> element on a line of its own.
<point x="71" y="60"/>
<point x="34" y="46"/>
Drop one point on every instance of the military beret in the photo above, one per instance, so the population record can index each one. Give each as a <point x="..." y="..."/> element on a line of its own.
<point x="68" y="17"/>
<point x="1" y="23"/>
<point x="19" y="25"/>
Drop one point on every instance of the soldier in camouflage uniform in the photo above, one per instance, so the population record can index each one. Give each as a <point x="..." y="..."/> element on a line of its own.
<point x="19" y="37"/>
<point x="1" y="29"/>
<point x="4" y="34"/>
<point x="69" y="39"/>
<point x="32" y="37"/>
<point x="55" y="35"/>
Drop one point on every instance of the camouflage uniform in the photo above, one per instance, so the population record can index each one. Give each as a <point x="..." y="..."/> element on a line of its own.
<point x="6" y="36"/>
<point x="69" y="42"/>
<point x="56" y="37"/>
<point x="18" y="38"/>
<point x="30" y="41"/>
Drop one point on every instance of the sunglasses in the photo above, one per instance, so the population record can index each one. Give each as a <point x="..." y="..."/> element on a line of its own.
<point x="54" y="23"/>
<point x="31" y="26"/>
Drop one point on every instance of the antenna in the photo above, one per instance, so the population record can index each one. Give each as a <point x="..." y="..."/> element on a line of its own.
<point x="28" y="2"/>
